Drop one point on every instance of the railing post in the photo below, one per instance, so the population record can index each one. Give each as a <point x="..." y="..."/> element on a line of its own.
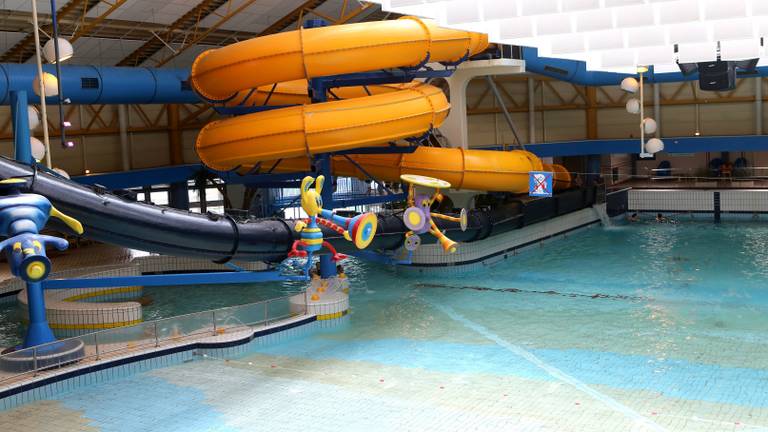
<point x="157" y="339"/>
<point x="96" y="342"/>
<point x="266" y="313"/>
<point x="34" y="360"/>
<point x="306" y="302"/>
<point x="213" y="317"/>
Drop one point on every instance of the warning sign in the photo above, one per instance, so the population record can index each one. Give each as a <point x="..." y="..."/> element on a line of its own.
<point x="540" y="184"/>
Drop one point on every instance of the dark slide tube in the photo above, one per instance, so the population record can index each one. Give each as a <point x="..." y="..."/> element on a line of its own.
<point x="111" y="219"/>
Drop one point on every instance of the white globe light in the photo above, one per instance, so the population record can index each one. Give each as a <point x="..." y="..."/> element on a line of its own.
<point x="34" y="117"/>
<point x="38" y="148"/>
<point x="654" y="145"/>
<point x="65" y="50"/>
<point x="633" y="106"/>
<point x="49" y="81"/>
<point x="630" y="85"/>
<point x="649" y="125"/>
<point x="61" y="172"/>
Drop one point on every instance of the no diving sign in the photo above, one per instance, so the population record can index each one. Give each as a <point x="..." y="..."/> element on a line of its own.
<point x="540" y="184"/>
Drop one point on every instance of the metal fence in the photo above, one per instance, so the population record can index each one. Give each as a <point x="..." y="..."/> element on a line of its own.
<point x="119" y="341"/>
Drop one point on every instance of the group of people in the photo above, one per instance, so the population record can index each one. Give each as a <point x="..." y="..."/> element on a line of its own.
<point x="660" y="218"/>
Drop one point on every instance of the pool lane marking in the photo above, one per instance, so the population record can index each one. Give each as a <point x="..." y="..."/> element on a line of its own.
<point x="549" y="369"/>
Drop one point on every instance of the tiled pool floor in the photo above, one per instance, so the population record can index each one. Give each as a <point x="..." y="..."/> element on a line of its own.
<point x="653" y="339"/>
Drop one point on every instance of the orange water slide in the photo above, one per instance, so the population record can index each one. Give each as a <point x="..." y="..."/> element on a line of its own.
<point x="274" y="70"/>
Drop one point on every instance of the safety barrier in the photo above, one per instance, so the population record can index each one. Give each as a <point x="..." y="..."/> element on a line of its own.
<point x="617" y="202"/>
<point x="751" y="201"/>
<point x="119" y="342"/>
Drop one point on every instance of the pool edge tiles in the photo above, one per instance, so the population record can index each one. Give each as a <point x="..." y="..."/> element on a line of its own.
<point x="492" y="250"/>
<point x="47" y="385"/>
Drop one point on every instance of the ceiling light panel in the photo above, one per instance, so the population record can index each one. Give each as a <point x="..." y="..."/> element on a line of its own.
<point x="609" y="34"/>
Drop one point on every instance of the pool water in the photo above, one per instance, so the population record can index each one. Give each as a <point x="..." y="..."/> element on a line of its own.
<point x="633" y="328"/>
<point x="11" y="327"/>
<point x="171" y="301"/>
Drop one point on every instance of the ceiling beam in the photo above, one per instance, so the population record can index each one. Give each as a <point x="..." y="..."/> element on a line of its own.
<point x="291" y="17"/>
<point x="188" y="21"/>
<point x="25" y="48"/>
<point x="86" y="28"/>
<point x="105" y="28"/>
<point x="200" y="34"/>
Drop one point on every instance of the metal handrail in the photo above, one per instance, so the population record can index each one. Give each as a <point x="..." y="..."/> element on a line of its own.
<point x="210" y="325"/>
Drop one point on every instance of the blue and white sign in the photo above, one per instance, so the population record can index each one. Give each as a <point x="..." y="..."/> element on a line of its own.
<point x="540" y="184"/>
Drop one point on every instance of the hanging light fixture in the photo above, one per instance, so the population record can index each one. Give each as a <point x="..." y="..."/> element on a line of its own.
<point x="50" y="83"/>
<point x="34" y="117"/>
<point x="636" y="106"/>
<point x="38" y="148"/>
<point x="65" y="50"/>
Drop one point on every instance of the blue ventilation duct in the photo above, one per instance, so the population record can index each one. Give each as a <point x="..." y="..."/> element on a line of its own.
<point x="576" y="72"/>
<point x="102" y="85"/>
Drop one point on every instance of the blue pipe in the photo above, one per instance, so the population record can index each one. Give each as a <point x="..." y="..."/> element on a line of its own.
<point x="139" y="85"/>
<point x="21" y="134"/>
<point x="576" y="72"/>
<point x="103" y="85"/>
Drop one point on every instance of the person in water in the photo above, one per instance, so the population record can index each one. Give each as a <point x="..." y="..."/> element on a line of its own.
<point x="634" y="218"/>
<point x="660" y="218"/>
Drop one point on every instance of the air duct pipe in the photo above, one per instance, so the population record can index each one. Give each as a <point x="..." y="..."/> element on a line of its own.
<point x="102" y="85"/>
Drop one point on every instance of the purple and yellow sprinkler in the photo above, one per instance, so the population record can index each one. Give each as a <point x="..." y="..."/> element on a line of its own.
<point x="418" y="217"/>
<point x="360" y="229"/>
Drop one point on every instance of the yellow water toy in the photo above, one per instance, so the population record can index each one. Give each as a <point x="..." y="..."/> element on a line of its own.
<point x="360" y="229"/>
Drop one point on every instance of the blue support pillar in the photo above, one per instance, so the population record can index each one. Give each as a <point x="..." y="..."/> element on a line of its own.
<point x="38" y="331"/>
<point x="593" y="169"/>
<point x="323" y="167"/>
<point x="323" y="161"/>
<point x="179" y="195"/>
<point x="21" y="144"/>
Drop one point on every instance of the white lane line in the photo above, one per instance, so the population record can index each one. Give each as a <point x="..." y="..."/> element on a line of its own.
<point x="551" y="370"/>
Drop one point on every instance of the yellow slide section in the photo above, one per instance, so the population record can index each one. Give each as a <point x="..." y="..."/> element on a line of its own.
<point x="274" y="70"/>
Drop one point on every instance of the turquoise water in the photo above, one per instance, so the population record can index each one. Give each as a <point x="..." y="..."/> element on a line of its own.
<point x="11" y="329"/>
<point x="179" y="300"/>
<point x="638" y="327"/>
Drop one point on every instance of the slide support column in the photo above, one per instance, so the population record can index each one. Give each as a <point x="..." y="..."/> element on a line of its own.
<point x="21" y="144"/>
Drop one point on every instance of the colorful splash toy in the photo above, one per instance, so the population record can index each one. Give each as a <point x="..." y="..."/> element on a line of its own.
<point x="360" y="229"/>
<point x="22" y="217"/>
<point x="418" y="217"/>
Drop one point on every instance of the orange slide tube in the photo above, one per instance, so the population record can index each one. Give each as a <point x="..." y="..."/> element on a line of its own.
<point x="274" y="69"/>
<point x="464" y="169"/>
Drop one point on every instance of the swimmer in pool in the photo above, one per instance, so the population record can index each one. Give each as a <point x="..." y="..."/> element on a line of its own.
<point x="660" y="218"/>
<point x="634" y="218"/>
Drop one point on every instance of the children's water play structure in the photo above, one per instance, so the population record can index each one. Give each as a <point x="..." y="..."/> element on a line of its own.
<point x="318" y="100"/>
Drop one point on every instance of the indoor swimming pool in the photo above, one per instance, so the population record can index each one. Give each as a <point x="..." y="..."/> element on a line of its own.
<point x="639" y="327"/>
